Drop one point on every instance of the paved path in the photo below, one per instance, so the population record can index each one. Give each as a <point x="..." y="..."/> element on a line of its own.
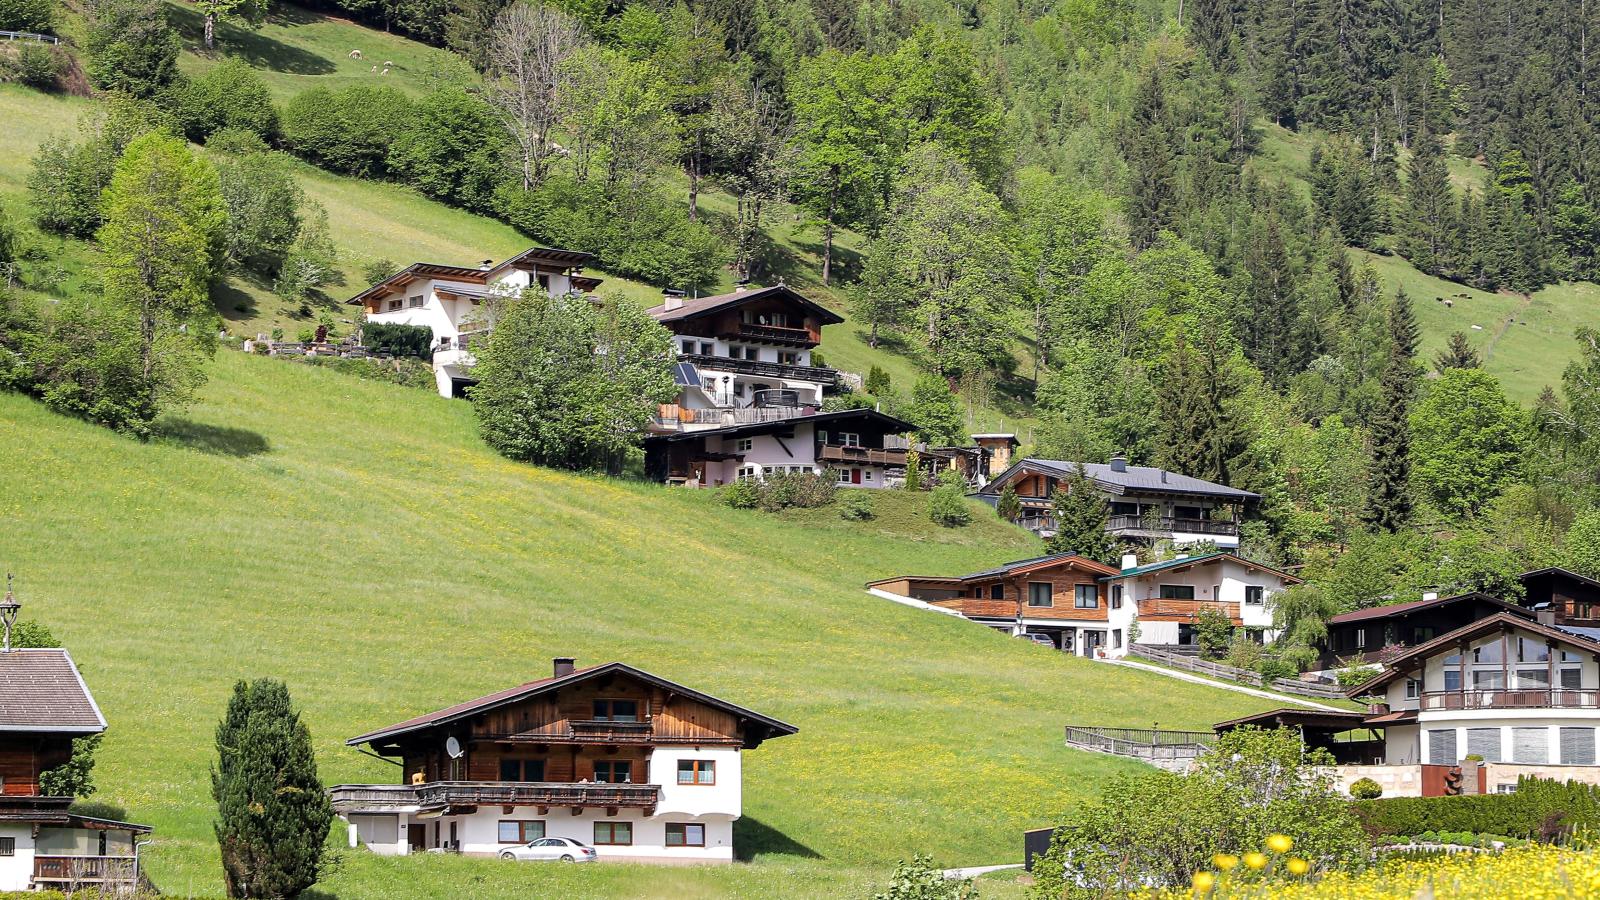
<point x="1185" y="676"/>
<point x="975" y="871"/>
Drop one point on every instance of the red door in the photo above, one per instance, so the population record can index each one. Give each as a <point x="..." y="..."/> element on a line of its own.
<point x="855" y="476"/>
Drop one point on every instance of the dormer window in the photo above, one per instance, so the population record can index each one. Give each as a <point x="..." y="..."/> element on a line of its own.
<point x="616" y="710"/>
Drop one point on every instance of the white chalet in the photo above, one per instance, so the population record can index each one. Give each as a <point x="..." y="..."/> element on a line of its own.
<point x="449" y="300"/>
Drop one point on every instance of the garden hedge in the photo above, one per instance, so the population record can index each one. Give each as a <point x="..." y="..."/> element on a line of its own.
<point x="1540" y="809"/>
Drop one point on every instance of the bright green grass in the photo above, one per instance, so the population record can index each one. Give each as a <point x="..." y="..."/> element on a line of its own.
<point x="297" y="49"/>
<point x="358" y="541"/>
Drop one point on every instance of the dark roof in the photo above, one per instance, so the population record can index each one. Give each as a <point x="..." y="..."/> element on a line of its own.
<point x="1217" y="556"/>
<point x="476" y="273"/>
<point x="704" y="305"/>
<point x="1406" y="609"/>
<point x="891" y="424"/>
<point x="1132" y="478"/>
<point x="773" y="727"/>
<point x="551" y="254"/>
<point x="1557" y="570"/>
<point x="1037" y="562"/>
<point x="41" y="691"/>
<point x="1291" y="717"/>
<point x="1403" y="663"/>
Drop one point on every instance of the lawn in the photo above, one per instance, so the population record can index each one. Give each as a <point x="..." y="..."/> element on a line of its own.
<point x="357" y="540"/>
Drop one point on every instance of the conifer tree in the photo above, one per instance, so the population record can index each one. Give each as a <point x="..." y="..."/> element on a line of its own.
<point x="1458" y="355"/>
<point x="1152" y="158"/>
<point x="272" y="813"/>
<point x="1009" y="506"/>
<point x="1211" y="28"/>
<point x="1081" y="514"/>
<point x="1200" y="434"/>
<point x="1389" y="497"/>
<point x="1430" y="209"/>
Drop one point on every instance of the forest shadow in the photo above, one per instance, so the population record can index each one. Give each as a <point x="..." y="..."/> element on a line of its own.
<point x="753" y="837"/>
<point x="231" y="303"/>
<point x="253" y="47"/>
<point x="216" y="440"/>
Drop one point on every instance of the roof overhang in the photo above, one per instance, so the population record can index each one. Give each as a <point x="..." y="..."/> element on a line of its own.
<point x="1500" y="621"/>
<point x="1291" y="717"/>
<point x="891" y="425"/>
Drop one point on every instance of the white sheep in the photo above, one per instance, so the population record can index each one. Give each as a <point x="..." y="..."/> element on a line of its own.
<point x="355" y="54"/>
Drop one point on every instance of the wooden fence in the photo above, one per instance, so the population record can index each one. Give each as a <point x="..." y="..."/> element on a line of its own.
<point x="1168" y="749"/>
<point x="1191" y="663"/>
<point x="29" y="36"/>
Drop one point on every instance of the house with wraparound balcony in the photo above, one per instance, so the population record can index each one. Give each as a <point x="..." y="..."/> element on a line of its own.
<point x="1145" y="504"/>
<point x="630" y="763"/>
<point x="451" y="301"/>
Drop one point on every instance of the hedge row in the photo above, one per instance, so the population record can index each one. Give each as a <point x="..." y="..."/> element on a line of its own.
<point x="1540" y="809"/>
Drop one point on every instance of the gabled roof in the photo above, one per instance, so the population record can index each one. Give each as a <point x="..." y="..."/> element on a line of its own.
<point x="1201" y="559"/>
<point x="770" y="727"/>
<point x="1019" y="567"/>
<point x="1407" y="660"/>
<point x="1131" y="478"/>
<point x="1557" y="570"/>
<point x="1405" y="609"/>
<point x="474" y="274"/>
<point x="41" y="691"/>
<point x="701" y="306"/>
<point x="890" y="424"/>
<point x="546" y="254"/>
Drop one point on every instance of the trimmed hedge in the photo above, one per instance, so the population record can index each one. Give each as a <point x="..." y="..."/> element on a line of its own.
<point x="1541" y="809"/>
<point x="396" y="339"/>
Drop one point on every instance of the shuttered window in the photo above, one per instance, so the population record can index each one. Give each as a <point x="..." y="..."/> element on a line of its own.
<point x="1485" y="742"/>
<point x="1442" y="746"/>
<point x="1530" y="745"/>
<point x="1577" y="746"/>
<point x="1571" y="679"/>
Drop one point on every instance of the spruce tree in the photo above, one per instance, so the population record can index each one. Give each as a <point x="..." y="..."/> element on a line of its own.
<point x="1152" y="164"/>
<point x="1211" y="28"/>
<point x="272" y="813"/>
<point x="1458" y="355"/>
<point x="1200" y="434"/>
<point x="1389" y="493"/>
<point x="1081" y="514"/>
<point x="1009" y="506"/>
<point x="1430" y="209"/>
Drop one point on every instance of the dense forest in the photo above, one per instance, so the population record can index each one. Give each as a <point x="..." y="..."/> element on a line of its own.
<point x="1057" y="201"/>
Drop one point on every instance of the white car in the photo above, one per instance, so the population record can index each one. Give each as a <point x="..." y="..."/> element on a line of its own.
<point x="554" y="848"/>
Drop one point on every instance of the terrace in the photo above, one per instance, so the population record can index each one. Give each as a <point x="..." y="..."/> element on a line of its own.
<point x="444" y="794"/>
<point x="1519" y="698"/>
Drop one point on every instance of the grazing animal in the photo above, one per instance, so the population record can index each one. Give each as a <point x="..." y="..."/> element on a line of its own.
<point x="384" y="72"/>
<point x="374" y="68"/>
<point x="355" y="54"/>
<point x="387" y="64"/>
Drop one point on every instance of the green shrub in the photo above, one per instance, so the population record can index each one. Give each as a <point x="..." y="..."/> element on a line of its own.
<point x="402" y="371"/>
<point x="37" y="65"/>
<point x="1214" y="631"/>
<point x="1541" y="809"/>
<point x="947" y="506"/>
<point x="856" y="506"/>
<point x="802" y="490"/>
<point x="921" y="880"/>
<point x="741" y="494"/>
<point x="1366" y="789"/>
<point x="396" y="339"/>
<point x="1355" y="675"/>
<point x="1272" y="667"/>
<point x="131" y="47"/>
<point x="348" y="130"/>
<point x="451" y="148"/>
<point x="228" y="95"/>
<point x="37" y="16"/>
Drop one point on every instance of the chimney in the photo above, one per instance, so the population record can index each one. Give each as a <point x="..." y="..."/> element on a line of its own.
<point x="564" y="666"/>
<point x="8" y="614"/>
<point x="671" y="299"/>
<point x="1119" y="463"/>
<point x="1163" y="476"/>
<point x="1545" y="617"/>
<point x="1130" y="561"/>
<point x="486" y="265"/>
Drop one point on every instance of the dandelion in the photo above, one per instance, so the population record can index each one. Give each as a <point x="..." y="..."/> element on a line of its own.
<point x="1204" y="882"/>
<point x="1255" y="859"/>
<point x="1225" y="861"/>
<point x="1280" y="843"/>
<point x="1298" y="866"/>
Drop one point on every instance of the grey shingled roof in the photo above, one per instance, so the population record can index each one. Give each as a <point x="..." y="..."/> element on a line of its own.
<point x="41" y="690"/>
<point x="1139" y="478"/>
<point x="700" y="306"/>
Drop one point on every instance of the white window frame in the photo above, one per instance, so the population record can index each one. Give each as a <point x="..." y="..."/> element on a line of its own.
<point x="1413" y="688"/>
<point x="748" y="473"/>
<point x="849" y="439"/>
<point x="395" y="305"/>
<point x="744" y="445"/>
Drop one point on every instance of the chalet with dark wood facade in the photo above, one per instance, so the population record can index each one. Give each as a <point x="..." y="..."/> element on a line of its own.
<point x="1570" y="598"/>
<point x="1379" y="633"/>
<point x="44" y="706"/>
<point x="633" y="764"/>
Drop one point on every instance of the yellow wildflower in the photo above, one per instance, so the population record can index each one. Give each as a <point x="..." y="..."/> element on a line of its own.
<point x="1255" y="859"/>
<point x="1280" y="843"/>
<point x="1298" y="866"/>
<point x="1225" y="861"/>
<point x="1204" y="882"/>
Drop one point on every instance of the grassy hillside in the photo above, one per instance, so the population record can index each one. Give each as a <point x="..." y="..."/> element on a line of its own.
<point x="1526" y="341"/>
<point x="358" y="541"/>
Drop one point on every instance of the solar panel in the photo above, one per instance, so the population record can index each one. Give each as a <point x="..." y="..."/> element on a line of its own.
<point x="686" y="375"/>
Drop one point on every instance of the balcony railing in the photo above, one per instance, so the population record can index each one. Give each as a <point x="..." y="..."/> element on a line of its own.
<point x="607" y="732"/>
<point x="1156" y="606"/>
<point x="867" y="455"/>
<point x="494" y="793"/>
<point x="675" y="417"/>
<point x="83" y="870"/>
<point x="777" y="334"/>
<point x="1518" y="698"/>
<point x="818" y="374"/>
<point x="1170" y="524"/>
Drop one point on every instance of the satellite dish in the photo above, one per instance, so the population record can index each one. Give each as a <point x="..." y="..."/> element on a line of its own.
<point x="452" y="747"/>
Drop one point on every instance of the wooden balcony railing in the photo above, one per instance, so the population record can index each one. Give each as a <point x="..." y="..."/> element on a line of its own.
<point x="868" y="455"/>
<point x="1170" y="524"/>
<point x="1186" y="609"/>
<point x="84" y="870"/>
<point x="823" y="376"/>
<point x="494" y="793"/>
<point x="777" y="334"/>
<point x="1518" y="698"/>
<point x="606" y="732"/>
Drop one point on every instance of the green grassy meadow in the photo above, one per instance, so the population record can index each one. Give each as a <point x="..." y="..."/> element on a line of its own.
<point x="357" y="540"/>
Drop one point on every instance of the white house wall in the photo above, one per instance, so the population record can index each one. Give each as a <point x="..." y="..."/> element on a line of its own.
<point x="16" y="872"/>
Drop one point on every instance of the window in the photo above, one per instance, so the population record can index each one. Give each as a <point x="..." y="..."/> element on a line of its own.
<point x="688" y="346"/>
<point x="1360" y="637"/>
<point x="1254" y="595"/>
<point x="1188" y="512"/>
<point x="1123" y="508"/>
<point x="415" y="301"/>
<point x="842" y="476"/>
<point x="1485" y="742"/>
<point x="707" y="348"/>
<point x="749" y="473"/>
<point x="744" y="445"/>
<point x="1452" y="679"/>
<point x="616" y="710"/>
<point x="1116" y="596"/>
<point x="395" y="304"/>
<point x="1530" y="746"/>
<point x="997" y="592"/>
<point x="613" y="771"/>
<point x="1085" y="596"/>
<point x="1413" y="688"/>
<point x="1532" y="651"/>
<point x="1453" y="659"/>
<point x="1533" y="679"/>
<point x="544" y="282"/>
<point x="1177" y="592"/>
<point x="521" y="770"/>
<point x="1116" y="638"/>
<point x="1571" y="679"/>
<point x="752" y="354"/>
<point x="1489" y="680"/>
<point x="1422" y="634"/>
<point x="613" y="834"/>
<point x="521" y="831"/>
<point x="685" y="834"/>
<point x="697" y="771"/>
<point x="788" y="357"/>
<point x="1041" y="593"/>
<point x="1508" y="787"/>
<point x="8" y="846"/>
<point x="1442" y="747"/>
<point x="1488" y="653"/>
<point x="849" y="439"/>
<point x="1577" y="746"/>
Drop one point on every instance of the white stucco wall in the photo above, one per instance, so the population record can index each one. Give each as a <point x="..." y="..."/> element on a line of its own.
<point x="16" y="872"/>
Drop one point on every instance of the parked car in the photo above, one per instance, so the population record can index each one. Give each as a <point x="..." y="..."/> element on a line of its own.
<point x="1043" y="639"/>
<point x="551" y="848"/>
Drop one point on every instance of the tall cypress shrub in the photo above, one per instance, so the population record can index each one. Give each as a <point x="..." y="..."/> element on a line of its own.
<point x="272" y="813"/>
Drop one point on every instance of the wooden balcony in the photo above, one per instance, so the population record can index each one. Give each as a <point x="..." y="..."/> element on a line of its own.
<point x="1159" y="610"/>
<point x="605" y="732"/>
<point x="774" y="334"/>
<point x="1168" y="525"/>
<point x="67" y="872"/>
<point x="1519" y="698"/>
<point x="816" y="374"/>
<point x="439" y="795"/>
<point x="861" y="455"/>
